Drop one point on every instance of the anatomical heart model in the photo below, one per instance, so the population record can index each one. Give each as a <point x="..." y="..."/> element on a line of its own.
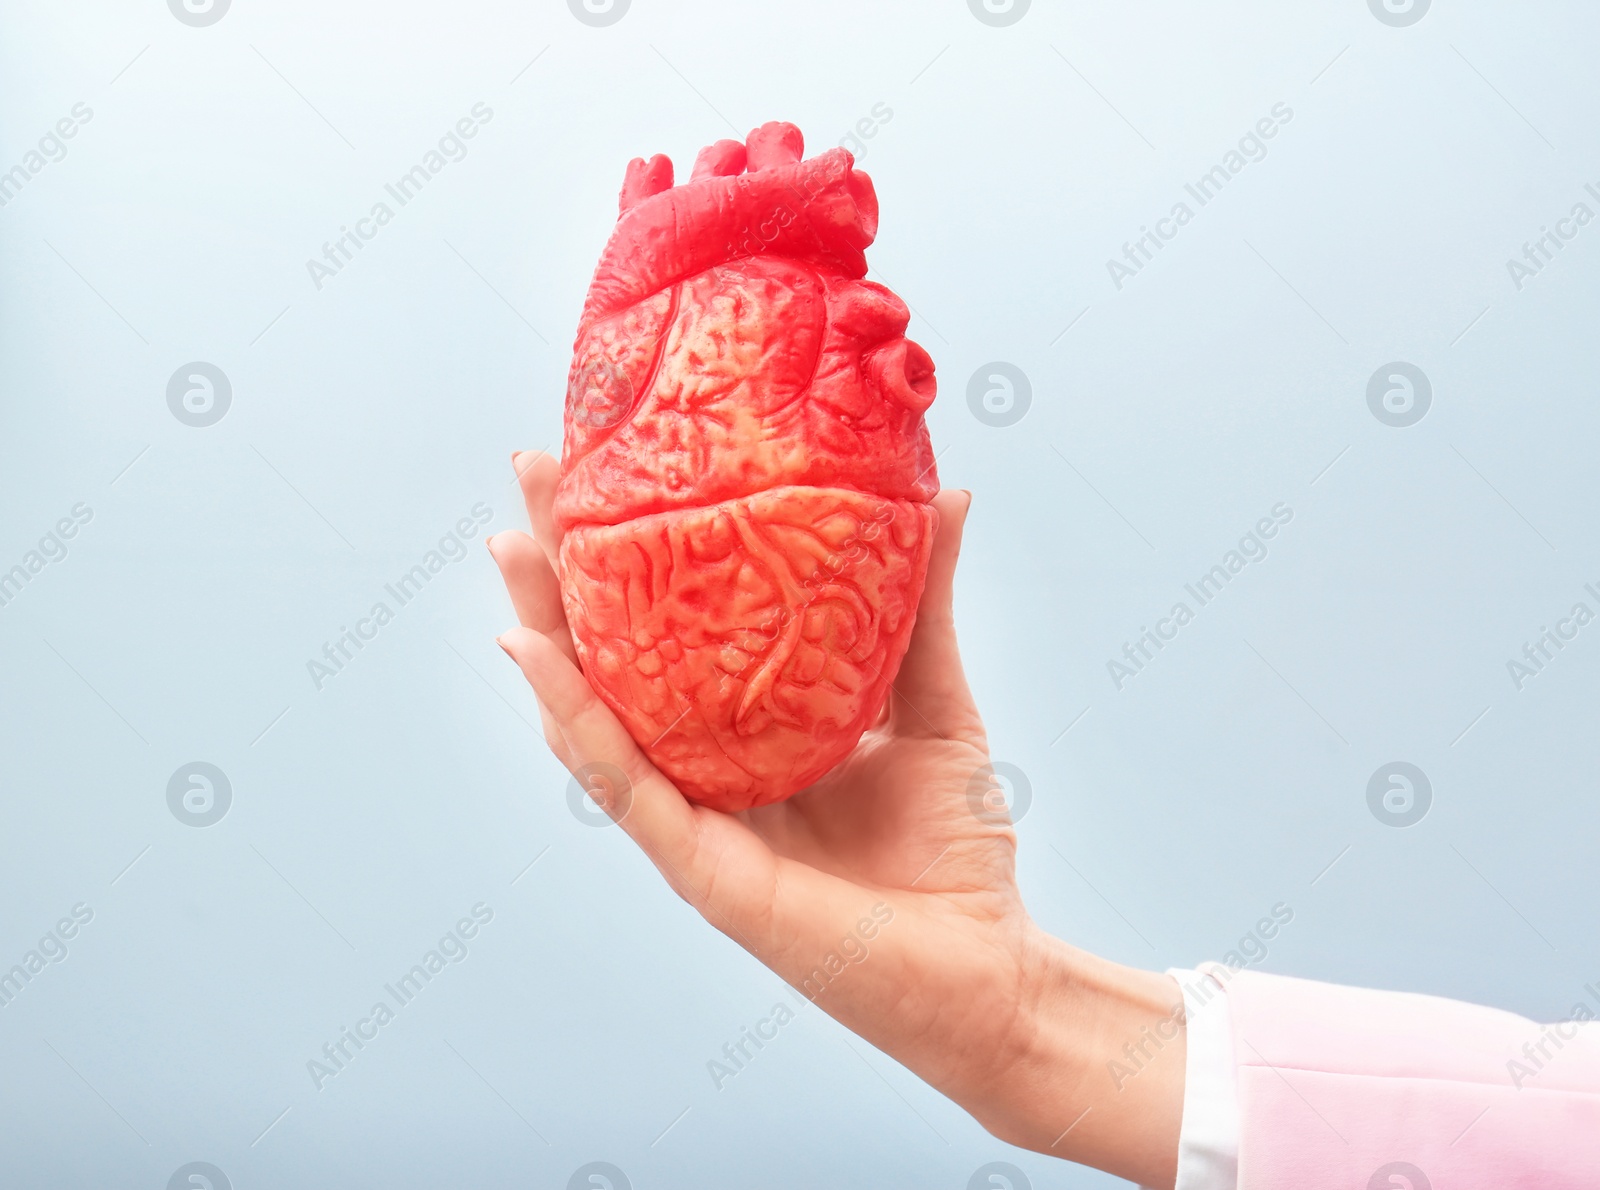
<point x="745" y="474"/>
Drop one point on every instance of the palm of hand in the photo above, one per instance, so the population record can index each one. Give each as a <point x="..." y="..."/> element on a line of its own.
<point x="894" y="814"/>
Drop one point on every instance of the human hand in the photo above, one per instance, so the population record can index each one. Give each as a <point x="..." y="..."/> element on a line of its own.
<point x="886" y="892"/>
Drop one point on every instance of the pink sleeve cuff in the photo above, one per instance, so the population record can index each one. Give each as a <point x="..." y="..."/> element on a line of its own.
<point x="1344" y="1087"/>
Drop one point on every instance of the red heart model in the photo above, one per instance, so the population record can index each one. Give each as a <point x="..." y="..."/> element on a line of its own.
<point x="745" y="471"/>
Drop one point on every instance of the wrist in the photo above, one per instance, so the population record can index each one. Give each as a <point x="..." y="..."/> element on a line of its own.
<point x="1094" y="1070"/>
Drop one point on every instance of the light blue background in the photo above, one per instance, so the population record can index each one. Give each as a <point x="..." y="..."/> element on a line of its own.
<point x="369" y="416"/>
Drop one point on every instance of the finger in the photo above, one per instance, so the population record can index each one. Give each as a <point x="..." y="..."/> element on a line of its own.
<point x="931" y="694"/>
<point x="538" y="473"/>
<point x="535" y="591"/>
<point x="653" y="812"/>
<point x="536" y="596"/>
<point x="554" y="740"/>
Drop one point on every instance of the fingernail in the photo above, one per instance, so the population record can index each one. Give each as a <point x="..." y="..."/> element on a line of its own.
<point x="501" y="642"/>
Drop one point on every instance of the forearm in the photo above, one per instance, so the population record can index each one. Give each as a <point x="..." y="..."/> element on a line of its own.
<point x="1098" y="1072"/>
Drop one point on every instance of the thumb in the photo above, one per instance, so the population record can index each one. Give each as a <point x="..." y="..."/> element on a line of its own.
<point x="931" y="688"/>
